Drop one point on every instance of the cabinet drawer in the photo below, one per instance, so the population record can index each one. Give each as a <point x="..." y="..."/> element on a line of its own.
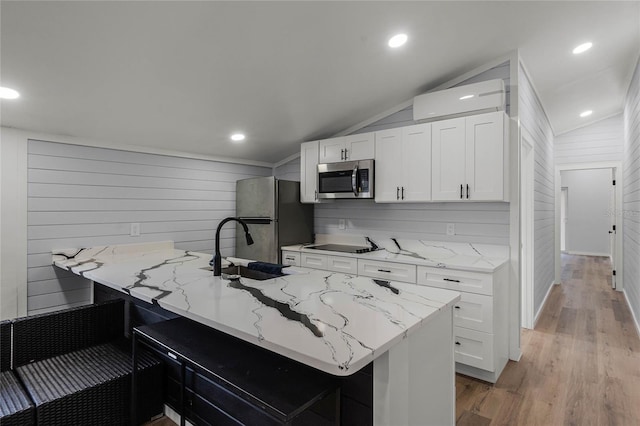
<point x="315" y="261"/>
<point x="387" y="270"/>
<point x="346" y="265"/>
<point x="474" y="311"/>
<point x="291" y="258"/>
<point x="472" y="282"/>
<point x="473" y="348"/>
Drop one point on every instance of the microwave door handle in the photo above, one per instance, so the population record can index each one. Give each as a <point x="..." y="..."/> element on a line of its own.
<point x="354" y="179"/>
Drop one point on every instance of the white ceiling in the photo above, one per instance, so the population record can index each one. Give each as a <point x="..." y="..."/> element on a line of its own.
<point x="185" y="75"/>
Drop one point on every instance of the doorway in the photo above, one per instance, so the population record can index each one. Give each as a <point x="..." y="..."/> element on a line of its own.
<point x="588" y="197"/>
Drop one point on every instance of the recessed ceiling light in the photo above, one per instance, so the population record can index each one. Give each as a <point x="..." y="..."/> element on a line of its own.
<point x="397" y="40"/>
<point x="237" y="137"/>
<point x="582" y="48"/>
<point x="466" y="97"/>
<point x="586" y="113"/>
<point x="6" y="93"/>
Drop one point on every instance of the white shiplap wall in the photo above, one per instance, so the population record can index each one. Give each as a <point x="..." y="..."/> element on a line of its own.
<point x="475" y="222"/>
<point x="631" y="195"/>
<point x="81" y="196"/>
<point x="288" y="171"/>
<point x="600" y="141"/>
<point x="535" y="126"/>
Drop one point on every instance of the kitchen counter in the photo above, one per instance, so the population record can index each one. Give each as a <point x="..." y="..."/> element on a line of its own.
<point x="334" y="322"/>
<point x="461" y="256"/>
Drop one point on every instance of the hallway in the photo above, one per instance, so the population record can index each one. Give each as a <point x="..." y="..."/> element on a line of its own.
<point x="580" y="366"/>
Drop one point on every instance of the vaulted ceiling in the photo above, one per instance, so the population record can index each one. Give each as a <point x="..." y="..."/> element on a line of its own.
<point x="185" y="75"/>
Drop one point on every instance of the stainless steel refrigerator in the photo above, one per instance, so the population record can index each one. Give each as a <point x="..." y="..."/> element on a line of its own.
<point x="272" y="210"/>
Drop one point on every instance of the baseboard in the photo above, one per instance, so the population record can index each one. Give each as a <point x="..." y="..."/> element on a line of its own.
<point x="588" y="253"/>
<point x="544" y="302"/>
<point x="633" y="314"/>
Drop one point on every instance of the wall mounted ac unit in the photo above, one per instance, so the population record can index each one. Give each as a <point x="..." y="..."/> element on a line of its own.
<point x="478" y="97"/>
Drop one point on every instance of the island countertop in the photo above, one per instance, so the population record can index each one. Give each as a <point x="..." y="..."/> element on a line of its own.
<point x="334" y="322"/>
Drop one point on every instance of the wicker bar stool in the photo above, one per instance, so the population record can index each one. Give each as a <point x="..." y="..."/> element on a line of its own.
<point x="15" y="406"/>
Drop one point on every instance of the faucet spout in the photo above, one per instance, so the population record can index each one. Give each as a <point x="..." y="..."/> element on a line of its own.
<point x="217" y="257"/>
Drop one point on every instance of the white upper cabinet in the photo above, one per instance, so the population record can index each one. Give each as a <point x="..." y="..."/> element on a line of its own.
<point x="470" y="158"/>
<point x="347" y="148"/>
<point x="486" y="136"/>
<point x="309" y="172"/>
<point x="403" y="164"/>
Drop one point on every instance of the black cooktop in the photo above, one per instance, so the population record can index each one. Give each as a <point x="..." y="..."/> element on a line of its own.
<point x="342" y="248"/>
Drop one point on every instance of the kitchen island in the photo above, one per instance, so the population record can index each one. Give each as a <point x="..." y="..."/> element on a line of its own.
<point x="333" y="322"/>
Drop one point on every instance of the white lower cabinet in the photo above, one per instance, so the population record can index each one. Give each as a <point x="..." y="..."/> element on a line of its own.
<point x="313" y="261"/>
<point x="291" y="258"/>
<point x="387" y="270"/>
<point x="474" y="348"/>
<point x="480" y="318"/>
<point x="346" y="265"/>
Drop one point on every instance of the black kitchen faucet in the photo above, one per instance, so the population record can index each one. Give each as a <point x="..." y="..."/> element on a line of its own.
<point x="217" y="257"/>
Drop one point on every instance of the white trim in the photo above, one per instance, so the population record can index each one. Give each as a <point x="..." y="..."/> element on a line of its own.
<point x="136" y="148"/>
<point x="606" y="117"/>
<point x="487" y="66"/>
<point x="544" y="302"/>
<point x="633" y="314"/>
<point x="287" y="159"/>
<point x="629" y="77"/>
<point x="617" y="166"/>
<point x="586" y="253"/>
<point x="527" y="235"/>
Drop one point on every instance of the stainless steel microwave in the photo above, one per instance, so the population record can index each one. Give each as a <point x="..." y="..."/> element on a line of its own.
<point x="347" y="179"/>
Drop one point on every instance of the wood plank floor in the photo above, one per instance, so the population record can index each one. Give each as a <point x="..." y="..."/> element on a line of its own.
<point x="580" y="366"/>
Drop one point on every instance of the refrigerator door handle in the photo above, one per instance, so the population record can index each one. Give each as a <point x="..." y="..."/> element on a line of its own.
<point x="257" y="220"/>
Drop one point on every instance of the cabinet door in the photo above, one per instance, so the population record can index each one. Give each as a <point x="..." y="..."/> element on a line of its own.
<point x="448" y="159"/>
<point x="416" y="163"/>
<point x="331" y="150"/>
<point x="485" y="156"/>
<point x="388" y="165"/>
<point x="309" y="172"/>
<point x="360" y="147"/>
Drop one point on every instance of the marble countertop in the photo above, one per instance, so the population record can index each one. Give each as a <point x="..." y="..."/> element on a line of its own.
<point x="334" y="322"/>
<point x="461" y="256"/>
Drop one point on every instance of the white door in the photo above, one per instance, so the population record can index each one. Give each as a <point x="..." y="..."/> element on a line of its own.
<point x="359" y="147"/>
<point x="416" y="163"/>
<point x="448" y="159"/>
<point x="613" y="231"/>
<point x="309" y="172"/>
<point x="485" y="157"/>
<point x="388" y="165"/>
<point x="564" y="204"/>
<point x="331" y="150"/>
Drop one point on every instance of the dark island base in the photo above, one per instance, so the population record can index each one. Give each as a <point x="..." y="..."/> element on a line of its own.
<point x="356" y="390"/>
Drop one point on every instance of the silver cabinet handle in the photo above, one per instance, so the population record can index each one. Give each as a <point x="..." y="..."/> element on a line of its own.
<point x="449" y="279"/>
<point x="467" y="191"/>
<point x="342" y="154"/>
<point x="346" y="154"/>
<point x="384" y="270"/>
<point x="461" y="191"/>
<point x="403" y="192"/>
<point x="397" y="192"/>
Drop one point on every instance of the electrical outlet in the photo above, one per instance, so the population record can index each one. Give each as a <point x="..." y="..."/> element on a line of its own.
<point x="451" y="229"/>
<point x="342" y="224"/>
<point x="135" y="230"/>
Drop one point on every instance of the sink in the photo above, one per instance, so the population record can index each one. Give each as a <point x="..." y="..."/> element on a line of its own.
<point x="244" y="272"/>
